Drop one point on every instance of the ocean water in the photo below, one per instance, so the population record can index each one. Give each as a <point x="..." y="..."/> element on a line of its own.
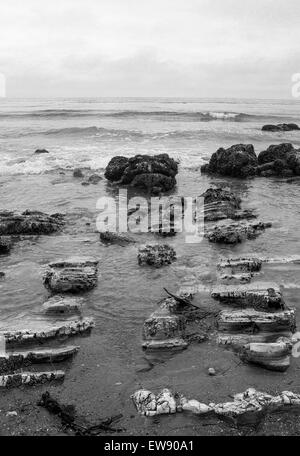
<point x="111" y="365"/>
<point x="88" y="132"/>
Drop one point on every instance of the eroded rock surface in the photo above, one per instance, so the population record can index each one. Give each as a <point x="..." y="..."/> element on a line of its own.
<point x="279" y="160"/>
<point x="29" y="222"/>
<point x="273" y="356"/>
<point x="234" y="233"/>
<point x="30" y="378"/>
<point x="63" y="305"/>
<point x="156" y="255"/>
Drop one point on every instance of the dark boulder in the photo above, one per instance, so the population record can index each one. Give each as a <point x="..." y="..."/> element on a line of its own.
<point x="281" y="127"/>
<point x="94" y="179"/>
<point x="41" y="151"/>
<point x="78" y="173"/>
<point x="279" y="160"/>
<point x="151" y="173"/>
<point x="216" y="195"/>
<point x="238" y="161"/>
<point x="5" y="245"/>
<point x="29" y="222"/>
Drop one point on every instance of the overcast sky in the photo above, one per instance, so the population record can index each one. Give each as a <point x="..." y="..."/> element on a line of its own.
<point x="192" y="48"/>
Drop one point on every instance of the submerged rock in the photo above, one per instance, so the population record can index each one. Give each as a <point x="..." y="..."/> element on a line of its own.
<point x="94" y="179"/>
<point x="78" y="173"/>
<point x="156" y="255"/>
<point x="29" y="222"/>
<point x="63" y="305"/>
<point x="73" y="275"/>
<point x="235" y="233"/>
<point x="151" y="173"/>
<point x="17" y="360"/>
<point x="108" y="237"/>
<point x="30" y="378"/>
<point x="281" y="127"/>
<point x="239" y="160"/>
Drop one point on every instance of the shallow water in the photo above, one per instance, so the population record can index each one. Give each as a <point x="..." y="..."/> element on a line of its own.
<point x="111" y="364"/>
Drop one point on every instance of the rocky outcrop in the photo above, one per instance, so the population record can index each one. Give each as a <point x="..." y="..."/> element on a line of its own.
<point x="108" y="237"/>
<point x="62" y="305"/>
<point x="29" y="222"/>
<point x="30" y="378"/>
<point x="279" y="160"/>
<point x="239" y="160"/>
<point x="235" y="233"/>
<point x="156" y="255"/>
<point x="55" y="331"/>
<point x="246" y="408"/>
<point x="238" y="265"/>
<point x="5" y="244"/>
<point x="73" y="275"/>
<point x="153" y="174"/>
<point x="16" y="360"/>
<point x="273" y="356"/>
<point x="259" y="295"/>
<point x="281" y="127"/>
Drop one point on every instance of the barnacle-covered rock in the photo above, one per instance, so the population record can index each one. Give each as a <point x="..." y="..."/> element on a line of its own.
<point x="235" y="233"/>
<point x="156" y="255"/>
<point x="29" y="222"/>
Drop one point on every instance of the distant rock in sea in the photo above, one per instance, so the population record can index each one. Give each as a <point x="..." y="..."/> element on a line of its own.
<point x="281" y="127"/>
<point x="41" y="151"/>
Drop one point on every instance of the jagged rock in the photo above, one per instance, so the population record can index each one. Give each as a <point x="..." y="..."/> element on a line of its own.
<point x="281" y="127"/>
<point x="235" y="233"/>
<point x="41" y="151"/>
<point x="78" y="173"/>
<point x="63" y="305"/>
<point x="156" y="255"/>
<point x="238" y="161"/>
<point x="260" y="295"/>
<point x="279" y="160"/>
<point x="253" y="321"/>
<point x="246" y="408"/>
<point x="273" y="356"/>
<point x="29" y="222"/>
<point x="237" y="265"/>
<point x="30" y="378"/>
<point x="73" y="275"/>
<point x="65" y="329"/>
<point x="5" y="244"/>
<point x="10" y="362"/>
<point x="152" y="173"/>
<point x="109" y="237"/>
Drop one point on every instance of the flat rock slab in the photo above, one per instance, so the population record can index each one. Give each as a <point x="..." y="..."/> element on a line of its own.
<point x="72" y="275"/>
<point x="30" y="378"/>
<point x="262" y="295"/>
<point x="176" y="343"/>
<point x="273" y="356"/>
<point x="239" y="265"/>
<point x="63" y="305"/>
<point x="67" y="329"/>
<point x="156" y="255"/>
<point x="10" y="362"/>
<point x="253" y="321"/>
<point x="236" y="232"/>
<point x="29" y="222"/>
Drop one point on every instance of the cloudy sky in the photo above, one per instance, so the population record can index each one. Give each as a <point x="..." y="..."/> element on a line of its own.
<point x="187" y="48"/>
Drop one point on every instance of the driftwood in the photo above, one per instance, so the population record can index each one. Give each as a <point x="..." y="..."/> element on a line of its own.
<point x="30" y="378"/>
<point x="67" y="329"/>
<point x="69" y="419"/>
<point x="10" y="362"/>
<point x="73" y="275"/>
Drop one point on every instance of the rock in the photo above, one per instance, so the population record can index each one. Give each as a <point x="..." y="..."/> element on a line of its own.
<point x="260" y="295"/>
<point x="273" y="356"/>
<point x="150" y="405"/>
<point x="253" y="321"/>
<point x="108" y="237"/>
<point x="85" y="184"/>
<point x="211" y="371"/>
<point x="30" y="378"/>
<point x="5" y="244"/>
<point x="237" y="265"/>
<point x="156" y="255"/>
<point x="41" y="151"/>
<point x="163" y="329"/>
<point x="194" y="407"/>
<point x="279" y="160"/>
<point x="235" y="233"/>
<point x="238" y="161"/>
<point x="94" y="179"/>
<point x="73" y="275"/>
<point x="11" y="362"/>
<point x="29" y="222"/>
<point x="11" y="414"/>
<point x="59" y="330"/>
<point x="152" y="173"/>
<point x="78" y="173"/>
<point x="63" y="305"/>
<point x="2" y="274"/>
<point x="280" y="127"/>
